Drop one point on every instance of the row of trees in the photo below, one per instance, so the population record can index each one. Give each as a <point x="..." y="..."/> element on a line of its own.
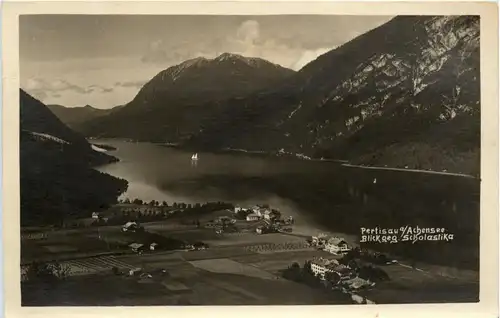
<point x="155" y="203"/>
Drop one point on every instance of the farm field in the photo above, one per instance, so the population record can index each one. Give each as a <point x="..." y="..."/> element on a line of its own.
<point x="241" y="268"/>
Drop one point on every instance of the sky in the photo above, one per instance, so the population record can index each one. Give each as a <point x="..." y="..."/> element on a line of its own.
<point x="103" y="60"/>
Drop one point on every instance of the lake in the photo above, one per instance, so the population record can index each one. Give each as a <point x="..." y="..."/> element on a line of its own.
<point x="322" y="196"/>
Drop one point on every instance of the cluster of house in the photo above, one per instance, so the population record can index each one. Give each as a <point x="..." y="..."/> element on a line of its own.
<point x="347" y="277"/>
<point x="333" y="245"/>
<point x="139" y="247"/>
<point x="258" y="212"/>
<point x="220" y="224"/>
<point x="267" y="228"/>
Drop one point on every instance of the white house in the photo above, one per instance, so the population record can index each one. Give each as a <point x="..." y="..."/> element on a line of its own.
<point x="153" y="246"/>
<point x="237" y="209"/>
<point x="253" y="217"/>
<point x="336" y="245"/>
<point x="268" y="215"/>
<point x="95" y="215"/>
<point x="257" y="210"/>
<point x="321" y="265"/>
<point x="135" y="271"/>
<point x="129" y="226"/>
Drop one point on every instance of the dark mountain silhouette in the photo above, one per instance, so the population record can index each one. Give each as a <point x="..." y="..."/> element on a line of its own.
<point x="57" y="179"/>
<point x="73" y="117"/>
<point x="404" y="94"/>
<point x="169" y="107"/>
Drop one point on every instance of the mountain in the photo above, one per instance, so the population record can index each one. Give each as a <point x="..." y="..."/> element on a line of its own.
<point x="404" y="94"/>
<point x="168" y="108"/>
<point x="73" y="117"/>
<point x="57" y="179"/>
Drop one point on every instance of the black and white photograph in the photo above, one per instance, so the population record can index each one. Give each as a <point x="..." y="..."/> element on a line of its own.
<point x="249" y="159"/>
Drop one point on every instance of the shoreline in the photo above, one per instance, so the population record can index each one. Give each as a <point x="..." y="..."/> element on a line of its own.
<point x="348" y="165"/>
<point x="302" y="157"/>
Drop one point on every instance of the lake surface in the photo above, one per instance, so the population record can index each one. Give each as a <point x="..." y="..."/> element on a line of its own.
<point x="320" y="195"/>
<point x="156" y="172"/>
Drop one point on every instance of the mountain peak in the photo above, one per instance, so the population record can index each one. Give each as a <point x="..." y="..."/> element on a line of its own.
<point x="230" y="56"/>
<point x="194" y="61"/>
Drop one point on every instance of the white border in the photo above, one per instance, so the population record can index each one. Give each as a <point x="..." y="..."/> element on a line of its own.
<point x="489" y="155"/>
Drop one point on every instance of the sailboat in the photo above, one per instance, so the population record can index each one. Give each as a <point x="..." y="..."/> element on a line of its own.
<point x="194" y="156"/>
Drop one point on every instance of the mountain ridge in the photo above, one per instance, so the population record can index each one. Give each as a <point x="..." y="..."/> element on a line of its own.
<point x="73" y="117"/>
<point x="165" y="108"/>
<point x="399" y="90"/>
<point x="56" y="169"/>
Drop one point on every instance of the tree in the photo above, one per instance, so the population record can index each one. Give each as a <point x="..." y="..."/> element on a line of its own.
<point x="353" y="264"/>
<point x="46" y="272"/>
<point x="308" y="274"/>
<point x="332" y="277"/>
<point x="115" y="270"/>
<point x="164" y="203"/>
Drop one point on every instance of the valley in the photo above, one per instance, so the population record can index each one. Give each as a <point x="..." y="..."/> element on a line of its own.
<point x="229" y="179"/>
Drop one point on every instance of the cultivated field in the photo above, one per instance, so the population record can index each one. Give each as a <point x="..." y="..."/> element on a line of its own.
<point x="237" y="269"/>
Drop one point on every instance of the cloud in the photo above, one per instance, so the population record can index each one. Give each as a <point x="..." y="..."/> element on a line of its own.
<point x="135" y="84"/>
<point x="248" y="39"/>
<point x="248" y="32"/>
<point x="165" y="53"/>
<point x="41" y="88"/>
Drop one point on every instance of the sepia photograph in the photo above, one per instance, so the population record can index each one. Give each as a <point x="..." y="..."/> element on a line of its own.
<point x="246" y="159"/>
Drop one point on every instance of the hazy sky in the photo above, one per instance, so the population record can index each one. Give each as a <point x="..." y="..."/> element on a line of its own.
<point x="74" y="60"/>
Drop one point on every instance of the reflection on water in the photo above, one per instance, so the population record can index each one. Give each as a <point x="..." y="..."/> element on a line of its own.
<point x="194" y="163"/>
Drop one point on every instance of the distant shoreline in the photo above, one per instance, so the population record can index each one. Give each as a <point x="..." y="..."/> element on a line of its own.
<point x="260" y="153"/>
<point x="348" y="165"/>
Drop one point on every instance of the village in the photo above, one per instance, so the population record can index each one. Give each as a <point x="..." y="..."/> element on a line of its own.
<point x="138" y="241"/>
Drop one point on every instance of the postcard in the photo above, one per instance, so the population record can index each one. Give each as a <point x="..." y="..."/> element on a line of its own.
<point x="165" y="156"/>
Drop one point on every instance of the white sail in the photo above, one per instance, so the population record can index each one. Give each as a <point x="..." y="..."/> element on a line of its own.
<point x="194" y="157"/>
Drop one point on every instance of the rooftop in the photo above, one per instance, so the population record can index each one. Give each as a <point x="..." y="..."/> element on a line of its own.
<point x="336" y="241"/>
<point x="338" y="268"/>
<point x="324" y="262"/>
<point x="136" y="245"/>
<point x="357" y="282"/>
